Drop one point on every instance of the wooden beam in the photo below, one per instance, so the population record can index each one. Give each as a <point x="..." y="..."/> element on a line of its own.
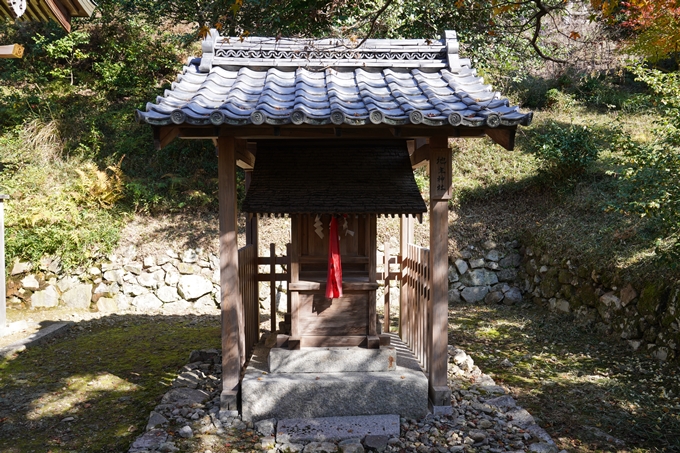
<point x="408" y="131"/>
<point x="60" y="14"/>
<point x="372" y="250"/>
<point x="503" y="137"/>
<point x="201" y="133"/>
<point x="12" y="51"/>
<point x="440" y="193"/>
<point x="294" y="269"/>
<point x="233" y="343"/>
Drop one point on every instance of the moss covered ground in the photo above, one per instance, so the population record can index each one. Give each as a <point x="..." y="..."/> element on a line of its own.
<point x="92" y="389"/>
<point x="590" y="392"/>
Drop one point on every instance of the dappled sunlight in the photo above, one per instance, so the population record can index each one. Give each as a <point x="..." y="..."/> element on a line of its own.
<point x="92" y="388"/>
<point x="590" y="393"/>
<point x="78" y="393"/>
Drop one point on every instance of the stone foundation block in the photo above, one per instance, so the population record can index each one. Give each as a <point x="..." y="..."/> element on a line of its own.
<point x="332" y="360"/>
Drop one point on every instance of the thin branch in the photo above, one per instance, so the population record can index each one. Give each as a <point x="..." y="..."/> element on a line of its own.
<point x="374" y="21"/>
<point x="542" y="11"/>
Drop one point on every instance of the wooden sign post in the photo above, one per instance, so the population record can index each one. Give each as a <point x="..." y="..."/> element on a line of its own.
<point x="440" y="193"/>
<point x="3" y="301"/>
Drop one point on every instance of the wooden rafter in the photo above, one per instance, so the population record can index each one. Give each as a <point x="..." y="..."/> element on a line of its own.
<point x="61" y="11"/>
<point x="12" y="51"/>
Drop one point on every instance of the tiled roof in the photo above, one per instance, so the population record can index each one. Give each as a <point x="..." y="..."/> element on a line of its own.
<point x="340" y="177"/>
<point x="277" y="81"/>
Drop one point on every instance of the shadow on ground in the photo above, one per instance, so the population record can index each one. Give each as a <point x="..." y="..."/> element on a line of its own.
<point x="590" y="392"/>
<point x="91" y="389"/>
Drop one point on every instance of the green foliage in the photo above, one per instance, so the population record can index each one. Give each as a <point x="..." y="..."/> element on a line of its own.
<point x="652" y="184"/>
<point x="51" y="210"/>
<point x="556" y="100"/>
<point x="564" y="150"/>
<point x="64" y="52"/>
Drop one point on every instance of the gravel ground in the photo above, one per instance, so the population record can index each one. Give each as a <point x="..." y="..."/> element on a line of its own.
<point x="484" y="418"/>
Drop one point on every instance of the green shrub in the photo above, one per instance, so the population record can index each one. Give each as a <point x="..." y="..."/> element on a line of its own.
<point x="558" y="101"/>
<point x="564" y="150"/>
<point x="651" y="177"/>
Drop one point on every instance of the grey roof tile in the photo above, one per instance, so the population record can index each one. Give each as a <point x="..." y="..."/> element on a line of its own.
<point x="265" y="80"/>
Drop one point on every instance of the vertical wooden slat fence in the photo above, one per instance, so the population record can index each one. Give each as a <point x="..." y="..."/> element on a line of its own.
<point x="247" y="273"/>
<point x="415" y="325"/>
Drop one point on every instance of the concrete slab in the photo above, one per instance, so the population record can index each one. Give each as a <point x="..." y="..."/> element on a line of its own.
<point x="51" y="331"/>
<point x="309" y="395"/>
<point x="332" y="360"/>
<point x="335" y="429"/>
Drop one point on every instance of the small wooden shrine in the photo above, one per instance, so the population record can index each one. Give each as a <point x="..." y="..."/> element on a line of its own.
<point x="330" y="134"/>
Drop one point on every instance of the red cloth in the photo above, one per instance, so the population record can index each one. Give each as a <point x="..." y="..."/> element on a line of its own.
<point x="334" y="278"/>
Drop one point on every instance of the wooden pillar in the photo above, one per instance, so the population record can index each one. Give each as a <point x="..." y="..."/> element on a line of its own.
<point x="296" y="222"/>
<point x="372" y="249"/>
<point x="440" y="193"/>
<point x="233" y="343"/>
<point x="405" y="238"/>
<point x="3" y="295"/>
<point x="386" y="307"/>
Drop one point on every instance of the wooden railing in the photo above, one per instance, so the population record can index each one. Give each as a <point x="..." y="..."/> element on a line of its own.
<point x="388" y="275"/>
<point x="247" y="274"/>
<point x="249" y="278"/>
<point x="273" y="277"/>
<point x="415" y="327"/>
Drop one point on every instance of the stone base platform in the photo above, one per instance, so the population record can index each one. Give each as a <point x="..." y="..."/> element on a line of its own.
<point x="403" y="391"/>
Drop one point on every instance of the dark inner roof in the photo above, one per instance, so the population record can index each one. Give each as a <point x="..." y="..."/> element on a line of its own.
<point x="341" y="177"/>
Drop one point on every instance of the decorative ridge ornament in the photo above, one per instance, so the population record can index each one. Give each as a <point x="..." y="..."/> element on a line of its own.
<point x="330" y="53"/>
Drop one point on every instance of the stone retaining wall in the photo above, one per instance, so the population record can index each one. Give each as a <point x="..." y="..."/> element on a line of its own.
<point x="647" y="316"/>
<point x="486" y="274"/>
<point x="167" y="282"/>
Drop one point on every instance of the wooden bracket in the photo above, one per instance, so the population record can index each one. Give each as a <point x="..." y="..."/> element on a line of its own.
<point x="419" y="149"/>
<point x="503" y="137"/>
<point x="163" y="135"/>
<point x="245" y="158"/>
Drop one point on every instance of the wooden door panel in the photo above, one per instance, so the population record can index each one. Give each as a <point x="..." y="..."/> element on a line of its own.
<point x="343" y="316"/>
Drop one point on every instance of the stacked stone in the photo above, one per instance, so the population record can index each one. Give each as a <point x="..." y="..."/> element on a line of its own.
<point x="485" y="275"/>
<point x="484" y="418"/>
<point x="168" y="282"/>
<point x="649" y="319"/>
